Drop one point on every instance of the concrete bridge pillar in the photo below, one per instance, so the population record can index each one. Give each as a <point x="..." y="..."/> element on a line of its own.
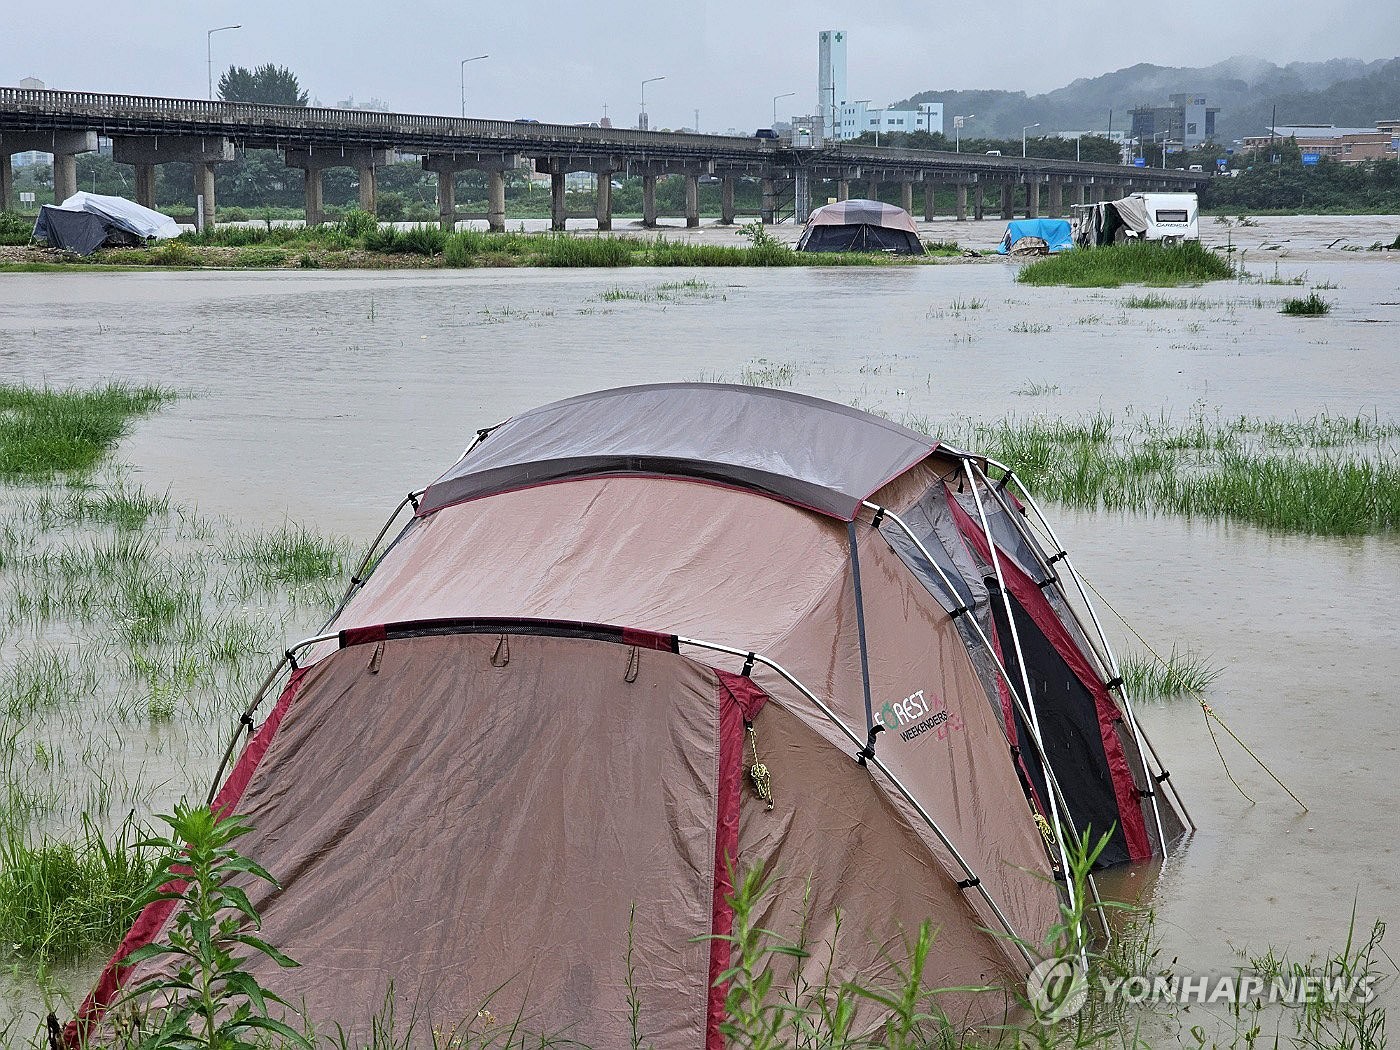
<point x="930" y="192"/>
<point x="496" y="200"/>
<point x="649" y="201"/>
<point x="558" y="201"/>
<point x="1008" y="208"/>
<point x="313" y="201"/>
<point x="65" y="147"/>
<point x="602" y="199"/>
<point x="872" y="189"/>
<point x="204" y="192"/>
<point x="65" y="176"/>
<point x="692" y="201"/>
<point x="961" y="207"/>
<point x="769" y="207"/>
<point x="447" y="199"/>
<point x="726" y="201"/>
<point x="1033" y="199"/>
<point x="843" y="190"/>
<point x="146" y="185"/>
<point x="1057" y="199"/>
<point x="1076" y="193"/>
<point x="979" y="203"/>
<point x="368" y="187"/>
<point x="906" y="196"/>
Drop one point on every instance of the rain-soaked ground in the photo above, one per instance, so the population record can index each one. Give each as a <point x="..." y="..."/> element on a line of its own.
<point x="325" y="396"/>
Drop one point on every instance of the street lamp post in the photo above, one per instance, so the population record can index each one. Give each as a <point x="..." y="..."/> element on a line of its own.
<point x="462" y="78"/>
<point x="1023" y="136"/>
<point x="785" y="94"/>
<point x="957" y="131"/>
<point x="209" y="54"/>
<point x="642" y="123"/>
<point x="1163" y="136"/>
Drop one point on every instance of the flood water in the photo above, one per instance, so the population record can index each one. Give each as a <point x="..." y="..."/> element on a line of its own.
<point x="324" y="397"/>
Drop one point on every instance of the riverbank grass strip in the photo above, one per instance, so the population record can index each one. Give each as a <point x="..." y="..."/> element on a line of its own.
<point x="1137" y="262"/>
<point x="45" y="432"/>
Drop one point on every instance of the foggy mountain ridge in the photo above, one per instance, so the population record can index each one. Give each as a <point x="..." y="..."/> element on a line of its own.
<point x="1343" y="91"/>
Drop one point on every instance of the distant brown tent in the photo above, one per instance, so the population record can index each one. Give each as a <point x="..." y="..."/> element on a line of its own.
<point x="540" y="710"/>
<point x="860" y="226"/>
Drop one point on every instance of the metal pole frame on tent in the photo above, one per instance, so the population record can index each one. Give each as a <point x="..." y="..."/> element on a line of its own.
<point x="1013" y="691"/>
<point x="1115" y="674"/>
<point x="1015" y="635"/>
<point x="865" y="751"/>
<point x="1107" y="667"/>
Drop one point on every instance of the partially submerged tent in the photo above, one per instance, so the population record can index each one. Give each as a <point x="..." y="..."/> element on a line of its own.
<point x="1035" y="237"/>
<point x="88" y="221"/>
<point x="860" y="226"/>
<point x="528" y="739"/>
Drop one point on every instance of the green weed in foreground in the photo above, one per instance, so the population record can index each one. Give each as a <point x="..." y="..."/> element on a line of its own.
<point x="1148" y="677"/>
<point x="1313" y="306"/>
<point x="44" y="432"/>
<point x="1136" y="262"/>
<point x="62" y="900"/>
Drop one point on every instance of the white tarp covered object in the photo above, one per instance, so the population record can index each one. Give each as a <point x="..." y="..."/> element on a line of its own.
<point x="124" y="214"/>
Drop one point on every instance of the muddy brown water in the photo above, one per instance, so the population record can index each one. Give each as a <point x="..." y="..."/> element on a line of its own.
<point x="325" y="396"/>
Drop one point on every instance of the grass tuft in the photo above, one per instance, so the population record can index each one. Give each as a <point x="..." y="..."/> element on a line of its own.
<point x="1137" y="262"/>
<point x="1147" y="677"/>
<point x="45" y="432"/>
<point x="1313" y="306"/>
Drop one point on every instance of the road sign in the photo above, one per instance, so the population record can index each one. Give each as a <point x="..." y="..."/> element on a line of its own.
<point x="1221" y="162"/>
<point x="1311" y="158"/>
<point x="1139" y="162"/>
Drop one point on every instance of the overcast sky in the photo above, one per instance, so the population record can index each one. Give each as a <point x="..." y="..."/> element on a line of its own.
<point x="562" y="62"/>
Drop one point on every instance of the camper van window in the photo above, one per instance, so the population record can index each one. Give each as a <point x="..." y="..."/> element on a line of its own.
<point x="1171" y="216"/>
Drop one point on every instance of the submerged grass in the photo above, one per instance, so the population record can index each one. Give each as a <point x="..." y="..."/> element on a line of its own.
<point x="1137" y="262"/>
<point x="45" y="432"/>
<point x="1324" y="475"/>
<point x="1312" y="306"/>
<point x="1149" y="677"/>
<point x="292" y="555"/>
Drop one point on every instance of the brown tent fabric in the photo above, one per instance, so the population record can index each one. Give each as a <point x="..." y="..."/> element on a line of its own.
<point x="516" y="748"/>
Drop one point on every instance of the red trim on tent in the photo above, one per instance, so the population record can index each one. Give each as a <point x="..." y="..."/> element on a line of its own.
<point x="648" y="639"/>
<point x="739" y="700"/>
<point x="1037" y="606"/>
<point x="155" y="915"/>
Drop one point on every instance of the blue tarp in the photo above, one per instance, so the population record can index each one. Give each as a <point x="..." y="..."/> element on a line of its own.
<point x="1054" y="232"/>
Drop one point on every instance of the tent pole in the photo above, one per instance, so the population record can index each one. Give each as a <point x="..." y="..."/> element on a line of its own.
<point x="1114" y="667"/>
<point x="972" y="880"/>
<point x="357" y="579"/>
<point x="1016" y="643"/>
<point x="245" y="720"/>
<point x="1108" y="669"/>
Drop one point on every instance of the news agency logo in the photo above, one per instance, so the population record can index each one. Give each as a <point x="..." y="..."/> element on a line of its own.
<point x="1058" y="988"/>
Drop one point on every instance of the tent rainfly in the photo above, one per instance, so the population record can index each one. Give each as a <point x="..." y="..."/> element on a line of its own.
<point x="860" y="226"/>
<point x="87" y="221"/>
<point x="545" y="706"/>
<point x="1035" y="237"/>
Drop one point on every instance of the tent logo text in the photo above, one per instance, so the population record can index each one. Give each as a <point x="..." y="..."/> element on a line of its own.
<point x="914" y="715"/>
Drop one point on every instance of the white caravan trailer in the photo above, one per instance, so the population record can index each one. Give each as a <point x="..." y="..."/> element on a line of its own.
<point x="1167" y="217"/>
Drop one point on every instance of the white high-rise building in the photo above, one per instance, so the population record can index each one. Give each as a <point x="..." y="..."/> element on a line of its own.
<point x="831" y="78"/>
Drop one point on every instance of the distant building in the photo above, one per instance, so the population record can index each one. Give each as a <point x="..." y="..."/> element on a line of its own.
<point x="1346" y="145"/>
<point x="839" y="117"/>
<point x="29" y="159"/>
<point x="860" y="118"/>
<point x="1187" y="122"/>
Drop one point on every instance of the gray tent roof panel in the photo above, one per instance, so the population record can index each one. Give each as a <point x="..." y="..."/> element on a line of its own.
<point x="794" y="448"/>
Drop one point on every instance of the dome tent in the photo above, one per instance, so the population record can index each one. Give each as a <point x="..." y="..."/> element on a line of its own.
<point x="534" y="720"/>
<point x="860" y="226"/>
